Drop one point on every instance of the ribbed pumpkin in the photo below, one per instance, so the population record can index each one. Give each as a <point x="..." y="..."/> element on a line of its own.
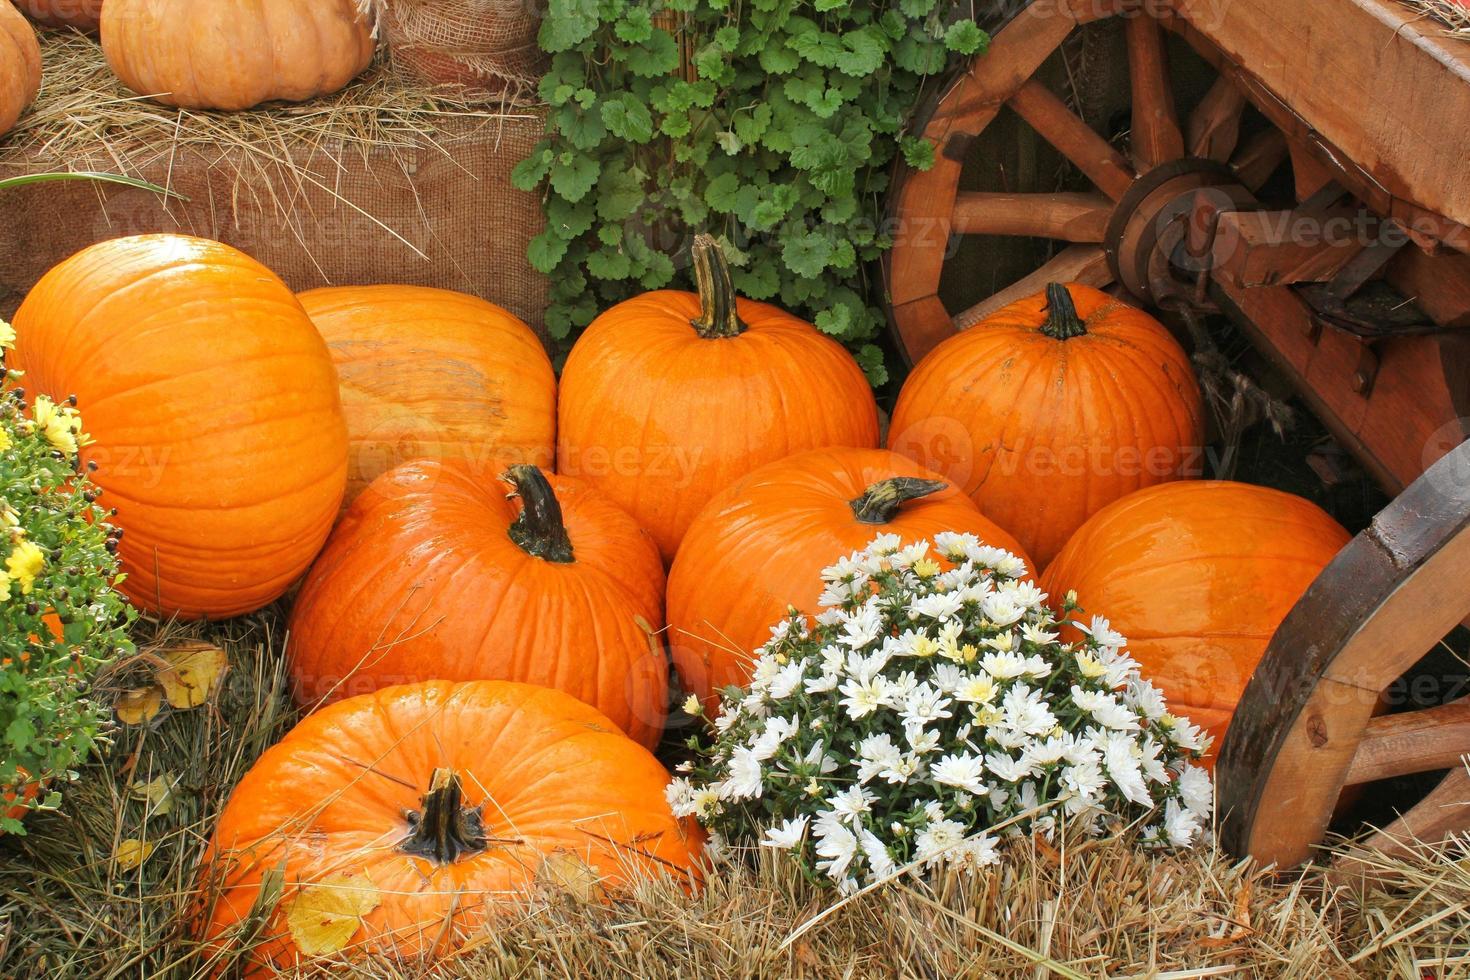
<point x="669" y="397"/>
<point x="421" y="812"/>
<point x="20" y="65"/>
<point x="84" y="15"/>
<point x="1197" y="575"/>
<point x="760" y="546"/>
<point x="213" y="402"/>
<point x="433" y="374"/>
<point x="1050" y="409"/>
<point x="434" y="573"/>
<point x="223" y="54"/>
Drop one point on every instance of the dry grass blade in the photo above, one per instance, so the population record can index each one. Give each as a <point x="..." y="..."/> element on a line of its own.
<point x="1453" y="15"/>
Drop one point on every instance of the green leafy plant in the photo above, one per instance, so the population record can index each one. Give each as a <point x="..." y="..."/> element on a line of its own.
<point x="771" y="124"/>
<point x="62" y="619"/>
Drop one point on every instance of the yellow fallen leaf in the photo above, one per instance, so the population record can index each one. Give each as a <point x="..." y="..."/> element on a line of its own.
<point x="192" y="674"/>
<point x="131" y="853"/>
<point x="325" y="916"/>
<point x="140" y="706"/>
<point x="568" y="873"/>
<point x="158" y="794"/>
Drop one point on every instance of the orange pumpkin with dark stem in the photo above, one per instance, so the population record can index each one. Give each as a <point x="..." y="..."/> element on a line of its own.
<point x="1051" y="409"/>
<point x="669" y="397"/>
<point x="223" y="54"/>
<point x="433" y="374"/>
<point x="213" y="403"/>
<point x="84" y="15"/>
<point x="427" y="809"/>
<point x="1197" y="575"/>
<point x="434" y="573"/>
<point x="760" y="546"/>
<point x="20" y="65"/>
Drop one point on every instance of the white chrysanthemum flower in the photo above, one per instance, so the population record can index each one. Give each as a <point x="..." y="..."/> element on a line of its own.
<point x="1085" y="779"/>
<point x="787" y="679"/>
<point x="680" y="796"/>
<point x="880" y="859"/>
<point x="940" y="606"/>
<point x="909" y="554"/>
<point x="1007" y="768"/>
<point x="1153" y="767"/>
<point x="862" y="697"/>
<point x="1181" y="824"/>
<point x="922" y="704"/>
<point x="1001" y="609"/>
<point x="961" y="770"/>
<point x="1034" y="633"/>
<point x="1196" y="790"/>
<point x="976" y="852"/>
<point x="1103" y="632"/>
<point x="851" y="803"/>
<point x="1122" y="767"/>
<point x="937" y="839"/>
<point x="776" y="731"/>
<point x="1047" y="751"/>
<point x="1106" y="709"/>
<point x="977" y="689"/>
<point x="862" y="627"/>
<point x="877" y="753"/>
<point x="836" y="846"/>
<point x="789" y="835"/>
<point x="745" y="779"/>
<point x="884" y="545"/>
<point x="1003" y="666"/>
<point x="947" y="678"/>
<point x="1145" y="699"/>
<point x="1025" y="710"/>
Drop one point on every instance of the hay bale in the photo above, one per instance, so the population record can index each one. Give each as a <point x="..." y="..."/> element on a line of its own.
<point x="486" y="46"/>
<point x="385" y="182"/>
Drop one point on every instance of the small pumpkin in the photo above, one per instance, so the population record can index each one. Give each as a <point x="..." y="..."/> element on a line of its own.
<point x="433" y="374"/>
<point x="401" y="823"/>
<point x="213" y="404"/>
<point x="84" y="15"/>
<point x="221" y="54"/>
<point x="435" y="573"/>
<point x="1197" y="575"/>
<point x="1051" y="409"/>
<point x="669" y="397"/>
<point x="20" y="65"/>
<point x="760" y="546"/>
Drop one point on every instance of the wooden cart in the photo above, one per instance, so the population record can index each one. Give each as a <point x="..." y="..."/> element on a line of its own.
<point x="1330" y="153"/>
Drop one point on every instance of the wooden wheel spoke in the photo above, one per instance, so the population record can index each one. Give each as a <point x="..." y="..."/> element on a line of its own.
<point x="1108" y="169"/>
<point x="1214" y="126"/>
<point x="1415" y="741"/>
<point x="1445" y="811"/>
<point x="1087" y="264"/>
<point x="1156" y="135"/>
<point x="1065" y="216"/>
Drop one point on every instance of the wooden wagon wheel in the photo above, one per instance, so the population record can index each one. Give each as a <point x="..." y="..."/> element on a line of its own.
<point x="1306" y="728"/>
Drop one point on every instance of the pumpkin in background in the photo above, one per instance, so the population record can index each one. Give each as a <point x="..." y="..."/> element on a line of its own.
<point x="669" y="397"/>
<point x="84" y="15"/>
<point x="433" y="374"/>
<point x="1051" y="409"/>
<point x="1197" y="575"/>
<point x="472" y="793"/>
<point x="435" y="573"/>
<point x="221" y="54"/>
<point x="213" y="403"/>
<point x="760" y="546"/>
<point x="20" y="65"/>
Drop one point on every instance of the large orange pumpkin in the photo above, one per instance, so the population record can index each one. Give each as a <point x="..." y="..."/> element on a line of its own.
<point x="1197" y="575"/>
<point x="669" y="397"/>
<point x="223" y="54"/>
<point x="759" y="548"/>
<point x="1051" y="409"/>
<point x="213" y="402"/>
<point x="20" y="65"/>
<point x="433" y="374"/>
<point x="434" y="573"/>
<point x="418" y="812"/>
<point x="84" y="15"/>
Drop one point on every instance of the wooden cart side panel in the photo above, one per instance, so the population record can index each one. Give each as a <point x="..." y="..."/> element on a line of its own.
<point x="1367" y="75"/>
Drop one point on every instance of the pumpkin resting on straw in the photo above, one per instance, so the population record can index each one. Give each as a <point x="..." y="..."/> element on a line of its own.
<point x="20" y="65"/>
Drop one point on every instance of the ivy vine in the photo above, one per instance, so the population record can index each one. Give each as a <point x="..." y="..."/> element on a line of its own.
<point x="771" y="124"/>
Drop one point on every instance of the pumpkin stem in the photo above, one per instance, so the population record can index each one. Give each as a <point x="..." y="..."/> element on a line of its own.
<point x="445" y="829"/>
<point x="718" y="316"/>
<point x="879" y="504"/>
<point x="1062" y="321"/>
<point x="539" y="530"/>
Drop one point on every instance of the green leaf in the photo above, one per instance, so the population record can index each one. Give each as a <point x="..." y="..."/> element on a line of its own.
<point x="567" y="24"/>
<point x="916" y="8"/>
<point x="546" y="251"/>
<point x="920" y="54"/>
<point x="657" y="56"/>
<point x="917" y="152"/>
<point x="751" y="126"/>
<point x="965" y="37"/>
<point x="572" y="175"/>
<point x="820" y="48"/>
<point x="870" y="359"/>
<point x="582" y="127"/>
<point x="566" y="219"/>
<point x="636" y="25"/>
<point x="777" y="59"/>
<point x="526" y="175"/>
<point x="619" y="193"/>
<point x="721" y="192"/>
<point x="627" y="118"/>
<point x="606" y="263"/>
<point x="806" y="254"/>
<point x="866" y="50"/>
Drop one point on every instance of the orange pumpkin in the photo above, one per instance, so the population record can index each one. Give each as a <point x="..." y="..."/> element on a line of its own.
<point x="759" y="548"/>
<point x="669" y="397"/>
<point x="434" y="573"/>
<point x="433" y="374"/>
<point x="20" y="65"/>
<point x="1051" y="409"/>
<point x="222" y="54"/>
<point x="213" y="403"/>
<point x="421" y="811"/>
<point x="84" y="15"/>
<point x="1197" y="575"/>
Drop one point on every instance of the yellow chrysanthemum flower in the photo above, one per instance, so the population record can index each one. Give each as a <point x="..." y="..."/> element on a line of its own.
<point x="4" y="586"/>
<point x="926" y="568"/>
<point x="925" y="646"/>
<point x="5" y="442"/>
<point x="61" y="425"/>
<point x="7" y="335"/>
<point x="24" y="564"/>
<point x="9" y="516"/>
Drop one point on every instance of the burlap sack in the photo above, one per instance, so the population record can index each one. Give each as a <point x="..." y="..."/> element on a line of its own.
<point x="437" y="212"/>
<point x="485" y="46"/>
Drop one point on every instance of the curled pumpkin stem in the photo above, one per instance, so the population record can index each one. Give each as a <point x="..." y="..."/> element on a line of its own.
<point x="445" y="830"/>
<point x="1062" y="321"/>
<point x="718" y="315"/>
<point x="539" y="530"/>
<point x="880" y="503"/>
